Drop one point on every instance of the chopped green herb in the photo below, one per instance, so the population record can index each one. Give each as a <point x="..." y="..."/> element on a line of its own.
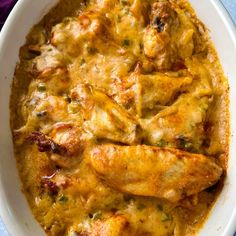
<point x="126" y="10"/>
<point x="119" y="18"/>
<point x="41" y="87"/>
<point x="141" y="46"/>
<point x="184" y="143"/>
<point x="41" y="114"/>
<point x="67" y="98"/>
<point x="66" y="20"/>
<point x="160" y="207"/>
<point x="63" y="199"/>
<point x="141" y="207"/>
<point x="92" y="50"/>
<point x="180" y="73"/>
<point x="161" y="143"/>
<point x="97" y="215"/>
<point x="126" y="42"/>
<point x="124" y="2"/>
<point x="73" y="107"/>
<point x="82" y="61"/>
<point x="165" y="217"/>
<point x="188" y="146"/>
<point x="204" y="107"/>
<point x="128" y="198"/>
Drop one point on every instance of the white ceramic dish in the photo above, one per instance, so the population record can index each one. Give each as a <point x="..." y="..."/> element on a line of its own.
<point x="13" y="207"/>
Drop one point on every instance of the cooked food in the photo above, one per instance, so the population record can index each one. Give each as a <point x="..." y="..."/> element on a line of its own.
<point x="151" y="171"/>
<point x="119" y="115"/>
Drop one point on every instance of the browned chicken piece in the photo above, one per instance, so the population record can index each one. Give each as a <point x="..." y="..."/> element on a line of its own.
<point x="57" y="80"/>
<point x="155" y="47"/>
<point x="39" y="107"/>
<point x="157" y="35"/>
<point x="116" y="225"/>
<point x="169" y="26"/>
<point x="139" y="218"/>
<point x="69" y="35"/>
<point x="180" y="125"/>
<point x="45" y="144"/>
<point x="105" y="118"/>
<point x="158" y="89"/>
<point x="65" y="143"/>
<point x="49" y="58"/>
<point x="68" y="136"/>
<point x="151" y="171"/>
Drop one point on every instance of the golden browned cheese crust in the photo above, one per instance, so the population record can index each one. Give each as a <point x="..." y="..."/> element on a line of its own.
<point x="151" y="171"/>
<point x="119" y="115"/>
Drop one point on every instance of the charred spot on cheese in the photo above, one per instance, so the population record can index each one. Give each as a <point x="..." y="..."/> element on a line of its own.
<point x="50" y="186"/>
<point x="45" y="144"/>
<point x="158" y="24"/>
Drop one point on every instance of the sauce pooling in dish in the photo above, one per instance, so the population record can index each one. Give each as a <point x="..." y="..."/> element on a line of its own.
<point x="119" y="113"/>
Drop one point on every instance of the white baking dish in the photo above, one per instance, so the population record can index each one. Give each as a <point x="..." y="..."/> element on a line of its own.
<point x="13" y="207"/>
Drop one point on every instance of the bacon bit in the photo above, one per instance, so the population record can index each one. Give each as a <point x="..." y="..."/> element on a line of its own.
<point x="208" y="126"/>
<point x="46" y="144"/>
<point x="16" y="135"/>
<point x="50" y="186"/>
<point x="179" y="65"/>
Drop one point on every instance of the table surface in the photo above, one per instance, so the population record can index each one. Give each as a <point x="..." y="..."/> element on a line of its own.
<point x="230" y="5"/>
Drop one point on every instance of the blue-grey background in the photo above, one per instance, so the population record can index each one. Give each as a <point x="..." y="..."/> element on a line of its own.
<point x="230" y="5"/>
